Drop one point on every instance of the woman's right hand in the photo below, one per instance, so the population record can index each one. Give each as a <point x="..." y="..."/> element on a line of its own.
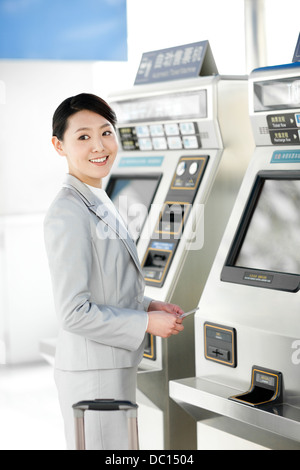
<point x="164" y="324"/>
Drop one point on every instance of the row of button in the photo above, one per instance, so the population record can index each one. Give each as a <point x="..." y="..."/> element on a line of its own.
<point x="171" y="143"/>
<point x="159" y="130"/>
<point x="171" y="136"/>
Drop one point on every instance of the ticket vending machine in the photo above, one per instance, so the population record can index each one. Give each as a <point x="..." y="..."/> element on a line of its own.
<point x="246" y="392"/>
<point x="184" y="148"/>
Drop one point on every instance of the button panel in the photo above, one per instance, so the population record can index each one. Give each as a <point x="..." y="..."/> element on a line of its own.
<point x="171" y="136"/>
<point x="172" y="219"/>
<point x="284" y="128"/>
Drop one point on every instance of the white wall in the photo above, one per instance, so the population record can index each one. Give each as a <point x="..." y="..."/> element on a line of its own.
<point x="165" y="23"/>
<point x="282" y="30"/>
<point x="159" y="24"/>
<point x="31" y="174"/>
<point x="30" y="170"/>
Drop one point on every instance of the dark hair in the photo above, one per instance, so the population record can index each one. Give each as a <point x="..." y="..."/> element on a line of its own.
<point x="82" y="102"/>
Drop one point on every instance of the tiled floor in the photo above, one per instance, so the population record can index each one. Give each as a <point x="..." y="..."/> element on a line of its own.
<point x="29" y="411"/>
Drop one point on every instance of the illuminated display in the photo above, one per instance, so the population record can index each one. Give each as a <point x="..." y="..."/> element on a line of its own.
<point x="277" y="94"/>
<point x="265" y="379"/>
<point x="191" y="105"/>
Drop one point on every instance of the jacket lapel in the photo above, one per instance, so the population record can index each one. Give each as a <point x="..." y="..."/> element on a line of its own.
<point x="103" y="212"/>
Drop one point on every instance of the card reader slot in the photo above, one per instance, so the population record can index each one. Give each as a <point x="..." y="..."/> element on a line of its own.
<point x="156" y="264"/>
<point x="157" y="260"/>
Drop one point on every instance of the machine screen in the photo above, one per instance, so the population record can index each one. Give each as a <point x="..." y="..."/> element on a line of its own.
<point x="189" y="105"/>
<point x="272" y="241"/>
<point x="277" y="94"/>
<point x="133" y="197"/>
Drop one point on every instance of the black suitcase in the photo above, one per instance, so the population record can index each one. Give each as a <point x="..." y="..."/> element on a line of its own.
<point x="106" y="405"/>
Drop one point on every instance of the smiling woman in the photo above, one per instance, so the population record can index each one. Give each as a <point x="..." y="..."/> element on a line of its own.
<point x="98" y="282"/>
<point x="90" y="150"/>
<point x="84" y="133"/>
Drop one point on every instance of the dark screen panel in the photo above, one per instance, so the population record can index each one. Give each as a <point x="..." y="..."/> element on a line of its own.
<point x="272" y="241"/>
<point x="265" y="251"/>
<point x="132" y="197"/>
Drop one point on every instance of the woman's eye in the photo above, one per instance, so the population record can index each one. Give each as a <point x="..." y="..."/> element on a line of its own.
<point x="107" y="133"/>
<point x="84" y="137"/>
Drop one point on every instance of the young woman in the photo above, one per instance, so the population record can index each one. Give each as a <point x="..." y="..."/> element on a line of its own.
<point x="97" y="280"/>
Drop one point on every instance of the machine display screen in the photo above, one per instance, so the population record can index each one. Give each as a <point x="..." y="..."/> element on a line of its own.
<point x="172" y="106"/>
<point x="277" y="94"/>
<point x="133" y="196"/>
<point x="272" y="241"/>
<point x="266" y="248"/>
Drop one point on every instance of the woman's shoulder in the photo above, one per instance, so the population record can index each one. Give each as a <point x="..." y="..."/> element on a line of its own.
<point x="67" y="203"/>
<point x="67" y="222"/>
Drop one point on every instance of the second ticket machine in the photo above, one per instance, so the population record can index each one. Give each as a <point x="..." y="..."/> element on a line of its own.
<point x="246" y="392"/>
<point x="184" y="148"/>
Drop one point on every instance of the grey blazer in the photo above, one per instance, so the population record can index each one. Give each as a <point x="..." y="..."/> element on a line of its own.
<point x="98" y="284"/>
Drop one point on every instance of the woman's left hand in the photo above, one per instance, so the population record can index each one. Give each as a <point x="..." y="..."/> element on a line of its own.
<point x="157" y="305"/>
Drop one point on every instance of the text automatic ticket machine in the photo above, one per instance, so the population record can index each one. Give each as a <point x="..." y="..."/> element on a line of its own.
<point x="184" y="148"/>
<point x="246" y="393"/>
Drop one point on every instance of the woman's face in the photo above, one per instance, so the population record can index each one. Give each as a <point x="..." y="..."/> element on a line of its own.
<point x="90" y="146"/>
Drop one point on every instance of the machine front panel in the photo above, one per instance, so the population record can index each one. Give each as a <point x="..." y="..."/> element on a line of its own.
<point x="265" y="319"/>
<point x="253" y="286"/>
<point x="196" y="134"/>
<point x="162" y="130"/>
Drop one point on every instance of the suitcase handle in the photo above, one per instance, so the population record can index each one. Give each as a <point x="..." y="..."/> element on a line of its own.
<point x="106" y="405"/>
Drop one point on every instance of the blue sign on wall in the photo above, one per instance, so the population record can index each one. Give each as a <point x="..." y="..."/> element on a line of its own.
<point x="63" y="29"/>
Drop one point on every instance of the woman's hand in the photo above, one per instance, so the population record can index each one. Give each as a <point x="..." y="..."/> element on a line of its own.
<point x="163" y="319"/>
<point x="156" y="305"/>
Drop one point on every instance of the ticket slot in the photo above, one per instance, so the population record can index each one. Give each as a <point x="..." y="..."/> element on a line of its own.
<point x="265" y="389"/>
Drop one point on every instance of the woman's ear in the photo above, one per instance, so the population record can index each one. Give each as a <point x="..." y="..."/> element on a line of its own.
<point x="57" y="144"/>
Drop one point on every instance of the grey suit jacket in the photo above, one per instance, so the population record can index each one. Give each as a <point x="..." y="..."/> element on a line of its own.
<point x="98" y="284"/>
